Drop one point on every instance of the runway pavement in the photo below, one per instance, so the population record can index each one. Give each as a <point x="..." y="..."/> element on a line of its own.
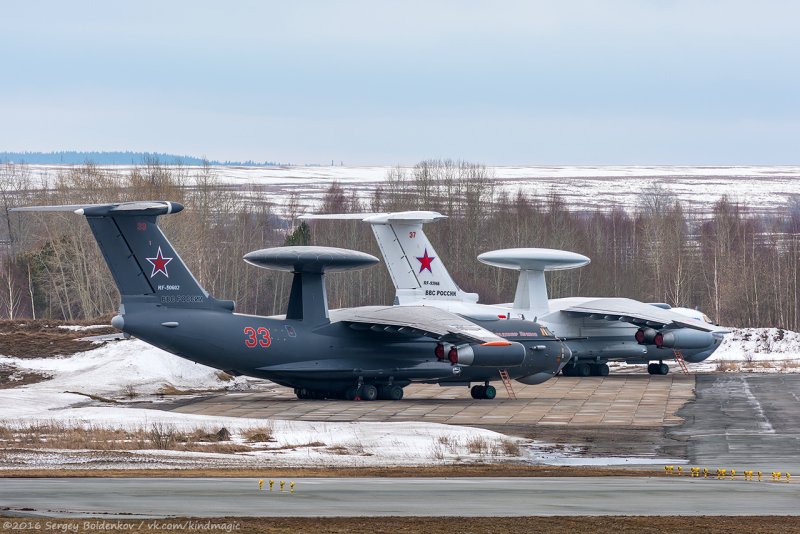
<point x="131" y="498"/>
<point x="743" y="421"/>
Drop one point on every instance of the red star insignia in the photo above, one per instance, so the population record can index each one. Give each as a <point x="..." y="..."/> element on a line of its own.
<point x="159" y="264"/>
<point x="425" y="262"/>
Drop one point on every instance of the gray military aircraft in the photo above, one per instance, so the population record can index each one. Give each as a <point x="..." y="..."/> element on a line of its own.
<point x="369" y="352"/>
<point x="596" y="330"/>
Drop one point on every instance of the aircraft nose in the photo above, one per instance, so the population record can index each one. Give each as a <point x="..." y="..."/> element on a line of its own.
<point x="566" y="356"/>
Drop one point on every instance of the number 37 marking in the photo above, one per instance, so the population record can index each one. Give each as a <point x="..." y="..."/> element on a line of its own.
<point x="257" y="337"/>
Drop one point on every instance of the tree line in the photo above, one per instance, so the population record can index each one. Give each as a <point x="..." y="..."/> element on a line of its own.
<point x="740" y="268"/>
<point x="72" y="157"/>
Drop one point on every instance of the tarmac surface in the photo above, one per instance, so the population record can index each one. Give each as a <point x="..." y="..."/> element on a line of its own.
<point x="620" y="399"/>
<point x="743" y="421"/>
<point x="468" y="497"/>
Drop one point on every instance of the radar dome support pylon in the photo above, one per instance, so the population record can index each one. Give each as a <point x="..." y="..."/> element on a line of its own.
<point x="531" y="295"/>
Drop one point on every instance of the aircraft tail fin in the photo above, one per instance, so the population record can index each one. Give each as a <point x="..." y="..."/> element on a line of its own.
<point x="414" y="266"/>
<point x="141" y="259"/>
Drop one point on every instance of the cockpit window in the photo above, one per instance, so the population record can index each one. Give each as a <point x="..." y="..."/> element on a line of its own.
<point x="706" y="319"/>
<point x="546" y="332"/>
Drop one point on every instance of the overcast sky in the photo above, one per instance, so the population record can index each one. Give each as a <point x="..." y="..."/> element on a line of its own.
<point x="604" y="82"/>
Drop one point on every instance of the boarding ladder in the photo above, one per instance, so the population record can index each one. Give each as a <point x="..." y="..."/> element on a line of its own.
<point x="507" y="383"/>
<point x="681" y="361"/>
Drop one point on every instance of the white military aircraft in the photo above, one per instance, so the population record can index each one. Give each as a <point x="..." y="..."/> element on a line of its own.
<point x="597" y="330"/>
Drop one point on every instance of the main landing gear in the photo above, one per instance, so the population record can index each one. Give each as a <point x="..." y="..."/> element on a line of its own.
<point x="584" y="369"/>
<point x="483" y="392"/>
<point x="659" y="368"/>
<point x="370" y="392"/>
<point x="363" y="392"/>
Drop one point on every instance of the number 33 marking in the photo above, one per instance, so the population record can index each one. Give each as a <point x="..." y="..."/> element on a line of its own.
<point x="257" y="337"/>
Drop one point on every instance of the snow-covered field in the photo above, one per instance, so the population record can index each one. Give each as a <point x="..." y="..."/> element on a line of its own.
<point x="764" y="188"/>
<point x="115" y="371"/>
<point x="125" y="378"/>
<point x="755" y="350"/>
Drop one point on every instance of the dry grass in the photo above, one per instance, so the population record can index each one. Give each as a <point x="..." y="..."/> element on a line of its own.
<point x="478" y="445"/>
<point x="785" y="365"/>
<point x="130" y="391"/>
<point x="725" y="366"/>
<point x="510" y="447"/>
<point x="60" y="435"/>
<point x="261" y="434"/>
<point x="508" y="469"/>
<point x="446" y="525"/>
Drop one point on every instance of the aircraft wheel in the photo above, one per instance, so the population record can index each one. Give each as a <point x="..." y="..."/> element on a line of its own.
<point x="582" y="370"/>
<point x="350" y="393"/>
<point x="395" y="393"/>
<point x="489" y="392"/>
<point x="601" y="369"/>
<point x="477" y="392"/>
<point x="369" y="392"/>
<point x="302" y="393"/>
<point x="651" y="368"/>
<point x="663" y="369"/>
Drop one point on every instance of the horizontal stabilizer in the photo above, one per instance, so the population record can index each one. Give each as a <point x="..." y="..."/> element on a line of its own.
<point x="157" y="207"/>
<point x="404" y="217"/>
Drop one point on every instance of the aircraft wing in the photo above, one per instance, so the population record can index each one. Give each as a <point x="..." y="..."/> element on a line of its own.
<point x="635" y="312"/>
<point x="416" y="321"/>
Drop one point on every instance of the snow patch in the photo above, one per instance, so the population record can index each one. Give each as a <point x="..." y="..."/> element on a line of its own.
<point x="109" y="370"/>
<point x="765" y="350"/>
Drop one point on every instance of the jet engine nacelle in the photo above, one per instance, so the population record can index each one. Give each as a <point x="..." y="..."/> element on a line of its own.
<point x="510" y="355"/>
<point x="684" y="338"/>
<point x="645" y="336"/>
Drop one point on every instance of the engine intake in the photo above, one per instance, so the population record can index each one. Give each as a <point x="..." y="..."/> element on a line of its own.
<point x="645" y="336"/>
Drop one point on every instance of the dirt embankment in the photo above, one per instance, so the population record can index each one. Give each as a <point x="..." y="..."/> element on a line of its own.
<point x="40" y="339"/>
